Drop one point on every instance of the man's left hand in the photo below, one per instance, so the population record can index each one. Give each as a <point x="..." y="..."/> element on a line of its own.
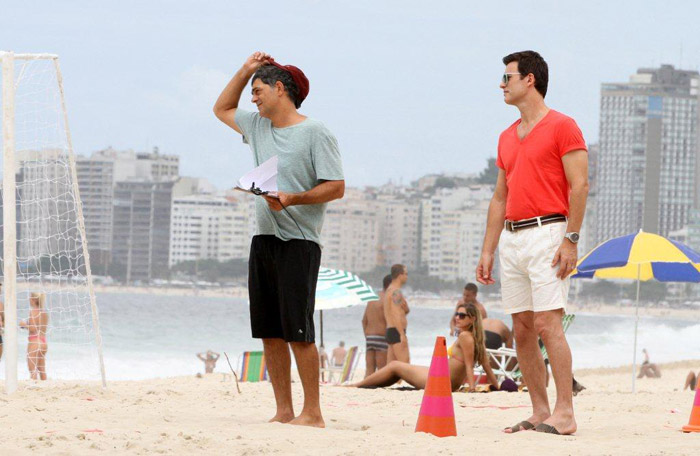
<point x="566" y="258"/>
<point x="280" y="200"/>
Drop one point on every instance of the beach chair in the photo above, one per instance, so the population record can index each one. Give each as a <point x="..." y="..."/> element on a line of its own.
<point x="253" y="367"/>
<point x="347" y="370"/>
<point x="506" y="361"/>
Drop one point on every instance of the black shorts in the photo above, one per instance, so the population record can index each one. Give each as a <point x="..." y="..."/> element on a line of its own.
<point x="282" y="279"/>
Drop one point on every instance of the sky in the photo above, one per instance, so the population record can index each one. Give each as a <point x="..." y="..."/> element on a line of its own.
<point x="408" y="87"/>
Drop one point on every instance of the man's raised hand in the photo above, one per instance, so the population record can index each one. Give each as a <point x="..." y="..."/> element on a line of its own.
<point x="255" y="61"/>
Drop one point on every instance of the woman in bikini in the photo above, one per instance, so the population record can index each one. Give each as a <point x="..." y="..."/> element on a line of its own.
<point x="36" y="324"/>
<point x="468" y="351"/>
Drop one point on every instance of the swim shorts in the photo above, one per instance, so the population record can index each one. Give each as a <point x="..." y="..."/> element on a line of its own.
<point x="376" y="343"/>
<point x="392" y="336"/>
<point x="282" y="278"/>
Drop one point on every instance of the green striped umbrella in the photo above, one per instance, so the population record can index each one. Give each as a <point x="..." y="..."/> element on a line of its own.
<point x="336" y="289"/>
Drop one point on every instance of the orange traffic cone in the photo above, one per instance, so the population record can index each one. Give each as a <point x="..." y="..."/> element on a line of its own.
<point x="437" y="413"/>
<point x="694" y="423"/>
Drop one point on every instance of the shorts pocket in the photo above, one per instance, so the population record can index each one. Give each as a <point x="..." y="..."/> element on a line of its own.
<point x="556" y="235"/>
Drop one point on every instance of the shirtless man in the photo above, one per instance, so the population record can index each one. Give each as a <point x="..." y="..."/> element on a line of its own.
<point x="395" y="311"/>
<point x="209" y="360"/>
<point x="497" y="333"/>
<point x="468" y="295"/>
<point x="338" y="355"/>
<point x="374" y="327"/>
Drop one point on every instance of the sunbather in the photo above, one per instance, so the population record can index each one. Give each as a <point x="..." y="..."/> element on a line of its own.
<point x="467" y="351"/>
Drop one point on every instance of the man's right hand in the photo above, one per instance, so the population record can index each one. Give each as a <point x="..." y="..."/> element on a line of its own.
<point x="484" y="269"/>
<point x="255" y="61"/>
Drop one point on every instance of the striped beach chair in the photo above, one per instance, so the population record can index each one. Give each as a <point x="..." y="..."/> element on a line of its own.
<point x="347" y="370"/>
<point x="253" y="367"/>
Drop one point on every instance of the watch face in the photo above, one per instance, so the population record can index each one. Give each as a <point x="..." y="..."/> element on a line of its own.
<point x="573" y="237"/>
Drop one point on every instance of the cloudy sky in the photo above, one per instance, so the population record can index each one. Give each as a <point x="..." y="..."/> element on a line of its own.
<point x="408" y="87"/>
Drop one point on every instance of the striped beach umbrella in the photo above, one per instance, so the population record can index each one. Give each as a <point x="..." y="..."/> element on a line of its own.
<point x="336" y="289"/>
<point x="641" y="257"/>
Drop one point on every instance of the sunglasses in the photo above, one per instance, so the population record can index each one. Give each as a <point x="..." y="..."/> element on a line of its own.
<point x="506" y="77"/>
<point x="461" y="315"/>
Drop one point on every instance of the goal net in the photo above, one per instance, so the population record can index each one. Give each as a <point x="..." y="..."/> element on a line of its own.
<point x="51" y="326"/>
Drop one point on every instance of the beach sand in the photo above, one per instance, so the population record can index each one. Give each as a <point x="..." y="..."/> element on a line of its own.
<point x="188" y="415"/>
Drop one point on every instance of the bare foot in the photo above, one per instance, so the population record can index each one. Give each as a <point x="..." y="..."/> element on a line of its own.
<point x="309" y="420"/>
<point x="534" y="420"/>
<point x="565" y="424"/>
<point x="282" y="417"/>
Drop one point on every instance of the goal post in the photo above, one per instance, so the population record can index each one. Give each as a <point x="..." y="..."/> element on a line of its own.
<point x="45" y="250"/>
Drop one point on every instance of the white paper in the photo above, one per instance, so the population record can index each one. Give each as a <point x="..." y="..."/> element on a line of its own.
<point x="263" y="177"/>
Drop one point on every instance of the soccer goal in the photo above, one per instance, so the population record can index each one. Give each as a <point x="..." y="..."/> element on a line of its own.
<point x="51" y="323"/>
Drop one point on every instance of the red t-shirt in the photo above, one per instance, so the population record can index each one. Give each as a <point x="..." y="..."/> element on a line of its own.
<point x="535" y="175"/>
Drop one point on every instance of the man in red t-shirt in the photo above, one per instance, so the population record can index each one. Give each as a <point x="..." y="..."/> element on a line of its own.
<point x="540" y="199"/>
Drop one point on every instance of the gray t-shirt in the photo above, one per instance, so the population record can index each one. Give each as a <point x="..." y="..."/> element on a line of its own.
<point x="307" y="154"/>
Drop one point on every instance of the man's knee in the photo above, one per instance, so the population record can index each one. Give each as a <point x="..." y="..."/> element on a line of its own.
<point x="548" y="326"/>
<point x="523" y="326"/>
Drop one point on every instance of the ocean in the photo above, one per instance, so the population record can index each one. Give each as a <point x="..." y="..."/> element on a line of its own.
<point x="148" y="336"/>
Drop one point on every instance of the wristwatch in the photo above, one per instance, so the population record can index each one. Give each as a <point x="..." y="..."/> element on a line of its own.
<point x="573" y="237"/>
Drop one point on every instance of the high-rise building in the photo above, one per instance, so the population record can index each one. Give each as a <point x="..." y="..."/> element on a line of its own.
<point x="453" y="222"/>
<point x="398" y="219"/>
<point x="98" y="175"/>
<point x="141" y="231"/>
<point x="350" y="233"/>
<point x="210" y="227"/>
<point x="648" y="152"/>
<point x="46" y="213"/>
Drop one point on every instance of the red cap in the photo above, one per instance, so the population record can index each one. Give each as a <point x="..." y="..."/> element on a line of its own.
<point x="298" y="76"/>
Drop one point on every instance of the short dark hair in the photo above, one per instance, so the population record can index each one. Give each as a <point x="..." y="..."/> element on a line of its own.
<point x="270" y="74"/>
<point x="531" y="62"/>
<point x="397" y="270"/>
<point x="387" y="281"/>
<point x="471" y="287"/>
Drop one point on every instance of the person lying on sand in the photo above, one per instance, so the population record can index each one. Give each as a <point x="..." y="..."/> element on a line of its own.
<point x="467" y="351"/>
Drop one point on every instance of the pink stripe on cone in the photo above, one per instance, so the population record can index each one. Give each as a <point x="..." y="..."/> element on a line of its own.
<point x="437" y="406"/>
<point x="439" y="367"/>
<point x="697" y="398"/>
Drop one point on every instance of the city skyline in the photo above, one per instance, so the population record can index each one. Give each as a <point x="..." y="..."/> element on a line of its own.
<point x="415" y="82"/>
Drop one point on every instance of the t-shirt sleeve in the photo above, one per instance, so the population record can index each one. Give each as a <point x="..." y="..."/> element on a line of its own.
<point x="570" y="138"/>
<point x="325" y="155"/>
<point x="499" y="161"/>
<point x="247" y="121"/>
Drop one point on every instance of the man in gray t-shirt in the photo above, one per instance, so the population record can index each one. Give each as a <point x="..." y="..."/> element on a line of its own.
<point x="285" y="253"/>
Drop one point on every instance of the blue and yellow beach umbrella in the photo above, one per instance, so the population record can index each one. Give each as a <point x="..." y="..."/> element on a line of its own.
<point x="641" y="256"/>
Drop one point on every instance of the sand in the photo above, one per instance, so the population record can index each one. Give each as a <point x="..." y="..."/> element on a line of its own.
<point x="188" y="415"/>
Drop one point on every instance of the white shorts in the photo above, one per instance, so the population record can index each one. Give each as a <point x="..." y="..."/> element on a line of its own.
<point x="528" y="280"/>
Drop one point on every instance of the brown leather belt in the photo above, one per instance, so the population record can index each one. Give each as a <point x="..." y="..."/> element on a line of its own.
<point x="533" y="222"/>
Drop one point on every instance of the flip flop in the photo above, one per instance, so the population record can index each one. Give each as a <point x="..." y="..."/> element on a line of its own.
<point x="522" y="426"/>
<point x="547" y="429"/>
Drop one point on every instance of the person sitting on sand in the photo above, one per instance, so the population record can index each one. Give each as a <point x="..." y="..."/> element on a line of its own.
<point x="468" y="296"/>
<point x="209" y="360"/>
<point x="648" y="369"/>
<point x="468" y="351"/>
<point x="691" y="381"/>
